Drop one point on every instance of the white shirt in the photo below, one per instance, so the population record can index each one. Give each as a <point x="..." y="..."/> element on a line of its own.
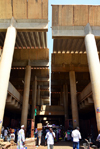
<point x="49" y="137"/>
<point x="76" y="135"/>
<point x="39" y="133"/>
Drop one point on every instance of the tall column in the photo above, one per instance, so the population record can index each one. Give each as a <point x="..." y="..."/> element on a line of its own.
<point x="5" y="67"/>
<point x="94" y="69"/>
<point x="24" y="114"/>
<point x="73" y="99"/>
<point x="38" y="96"/>
<point x="34" y="93"/>
<point x="65" y="89"/>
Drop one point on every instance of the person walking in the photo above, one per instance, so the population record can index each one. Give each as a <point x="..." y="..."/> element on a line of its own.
<point x="39" y="137"/>
<point x="50" y="138"/>
<point x="21" y="138"/>
<point x="5" y="134"/>
<point x="76" y="136"/>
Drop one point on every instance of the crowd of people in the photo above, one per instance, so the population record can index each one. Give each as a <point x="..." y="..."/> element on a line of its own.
<point x="8" y="134"/>
<point x="49" y="134"/>
<point x="55" y="135"/>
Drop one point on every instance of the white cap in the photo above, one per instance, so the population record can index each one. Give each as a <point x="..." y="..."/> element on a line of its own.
<point x="22" y="126"/>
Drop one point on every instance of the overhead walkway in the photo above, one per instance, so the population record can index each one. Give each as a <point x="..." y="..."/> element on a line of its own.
<point x="85" y="99"/>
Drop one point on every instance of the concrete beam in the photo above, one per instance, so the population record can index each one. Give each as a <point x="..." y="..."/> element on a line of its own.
<point x="25" y="25"/>
<point x="19" y="40"/>
<point x="67" y="68"/>
<point x="12" y="102"/>
<point x="45" y="97"/>
<point x="37" y="63"/>
<point x="9" y="98"/>
<point x="87" y="91"/>
<point x="90" y="100"/>
<point x="83" y="104"/>
<point x="51" y="110"/>
<point x="14" y="93"/>
<point x="28" y="38"/>
<point x="46" y="100"/>
<point x="43" y="79"/>
<point x="22" y="36"/>
<point x="50" y="113"/>
<point x="86" y="103"/>
<point x="37" y="38"/>
<point x="73" y="31"/>
<point x="71" y="59"/>
<point x="43" y="41"/>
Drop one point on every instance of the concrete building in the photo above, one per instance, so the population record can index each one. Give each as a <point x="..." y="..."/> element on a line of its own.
<point x="24" y="73"/>
<point x="75" y="63"/>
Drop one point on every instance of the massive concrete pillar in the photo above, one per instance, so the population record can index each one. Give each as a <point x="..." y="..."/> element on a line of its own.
<point x="94" y="69"/>
<point x="73" y="99"/>
<point x="34" y="93"/>
<point x="65" y="89"/>
<point x="25" y="103"/>
<point x="5" y="67"/>
<point x="38" y="95"/>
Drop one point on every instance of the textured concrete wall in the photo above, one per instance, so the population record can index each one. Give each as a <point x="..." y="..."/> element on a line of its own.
<point x="75" y="15"/>
<point x="13" y="91"/>
<point x="69" y="59"/>
<point x="51" y="110"/>
<point x="86" y="91"/>
<point x="5" y="9"/>
<point x="32" y="54"/>
<point x="23" y="9"/>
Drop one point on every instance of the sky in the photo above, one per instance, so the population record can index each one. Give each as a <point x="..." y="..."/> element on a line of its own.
<point x="49" y="34"/>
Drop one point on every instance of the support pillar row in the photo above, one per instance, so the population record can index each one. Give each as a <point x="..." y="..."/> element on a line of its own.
<point x="26" y="96"/>
<point x="5" y="67"/>
<point x="94" y="69"/>
<point x="74" y="99"/>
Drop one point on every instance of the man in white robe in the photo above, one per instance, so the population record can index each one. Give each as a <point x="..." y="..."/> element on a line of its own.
<point x="21" y="138"/>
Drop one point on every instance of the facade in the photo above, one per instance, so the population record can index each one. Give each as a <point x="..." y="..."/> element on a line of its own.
<point x="24" y="59"/>
<point x="75" y="62"/>
<point x="24" y="64"/>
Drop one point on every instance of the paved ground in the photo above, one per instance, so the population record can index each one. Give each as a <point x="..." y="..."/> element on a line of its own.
<point x="59" y="145"/>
